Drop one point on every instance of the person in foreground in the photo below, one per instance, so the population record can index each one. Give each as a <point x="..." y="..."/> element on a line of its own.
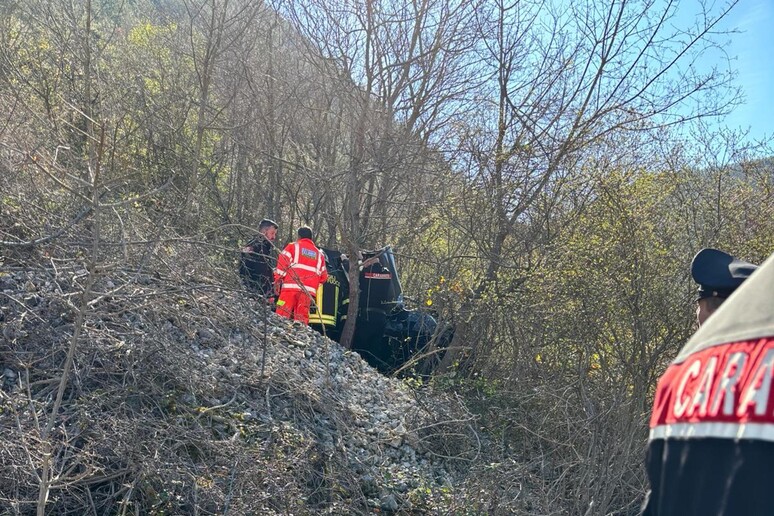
<point x="300" y="270"/>
<point x="711" y="442"/>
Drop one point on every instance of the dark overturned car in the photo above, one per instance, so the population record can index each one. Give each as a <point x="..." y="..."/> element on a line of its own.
<point x="387" y="334"/>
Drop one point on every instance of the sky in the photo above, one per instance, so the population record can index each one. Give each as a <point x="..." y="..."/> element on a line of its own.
<point x="753" y="47"/>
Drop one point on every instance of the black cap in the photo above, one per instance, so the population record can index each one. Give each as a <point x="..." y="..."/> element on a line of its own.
<point x="718" y="273"/>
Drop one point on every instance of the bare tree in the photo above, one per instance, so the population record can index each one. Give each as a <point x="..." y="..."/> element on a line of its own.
<point x="561" y="82"/>
<point x="401" y="63"/>
<point x="214" y="27"/>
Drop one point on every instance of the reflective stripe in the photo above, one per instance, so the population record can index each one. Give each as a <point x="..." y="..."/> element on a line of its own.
<point x="279" y="273"/>
<point x="322" y="319"/>
<point x="302" y="267"/>
<point x="296" y="286"/>
<point x="294" y="260"/>
<point x="321" y="266"/>
<point x="319" y="316"/>
<point x="757" y="431"/>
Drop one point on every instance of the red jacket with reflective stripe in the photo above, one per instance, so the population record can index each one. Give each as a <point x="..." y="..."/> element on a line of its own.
<point x="712" y="433"/>
<point x="301" y="265"/>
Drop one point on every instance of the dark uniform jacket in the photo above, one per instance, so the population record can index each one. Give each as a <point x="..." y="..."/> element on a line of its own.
<point x="256" y="266"/>
<point x="711" y="447"/>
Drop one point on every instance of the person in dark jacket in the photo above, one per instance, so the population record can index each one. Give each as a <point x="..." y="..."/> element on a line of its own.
<point x="256" y="263"/>
<point x="711" y="441"/>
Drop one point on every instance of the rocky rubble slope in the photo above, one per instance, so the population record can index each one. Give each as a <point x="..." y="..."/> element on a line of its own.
<point x="186" y="397"/>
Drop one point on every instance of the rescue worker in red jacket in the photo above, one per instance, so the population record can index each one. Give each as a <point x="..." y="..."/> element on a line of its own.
<point x="300" y="270"/>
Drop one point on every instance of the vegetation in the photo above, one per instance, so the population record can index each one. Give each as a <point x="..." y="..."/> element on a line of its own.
<point x="544" y="174"/>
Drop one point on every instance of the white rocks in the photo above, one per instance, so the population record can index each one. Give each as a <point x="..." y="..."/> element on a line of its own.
<point x="294" y="377"/>
<point x="389" y="503"/>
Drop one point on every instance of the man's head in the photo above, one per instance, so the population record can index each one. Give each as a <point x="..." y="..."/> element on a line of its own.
<point x="305" y="232"/>
<point x="718" y="275"/>
<point x="269" y="229"/>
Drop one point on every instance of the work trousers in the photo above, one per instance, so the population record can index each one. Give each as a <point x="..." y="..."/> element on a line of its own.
<point x="294" y="304"/>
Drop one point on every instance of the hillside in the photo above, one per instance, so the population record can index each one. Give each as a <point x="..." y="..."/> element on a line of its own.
<point x="190" y="398"/>
<point x="543" y="177"/>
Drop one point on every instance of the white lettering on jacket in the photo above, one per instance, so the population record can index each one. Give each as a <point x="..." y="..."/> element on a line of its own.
<point x="728" y="381"/>
<point x="722" y="391"/>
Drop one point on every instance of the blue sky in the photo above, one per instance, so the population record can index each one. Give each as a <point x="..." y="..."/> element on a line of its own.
<point x="753" y="48"/>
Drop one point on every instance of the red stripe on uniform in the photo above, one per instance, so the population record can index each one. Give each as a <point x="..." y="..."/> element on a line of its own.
<point x="721" y="387"/>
